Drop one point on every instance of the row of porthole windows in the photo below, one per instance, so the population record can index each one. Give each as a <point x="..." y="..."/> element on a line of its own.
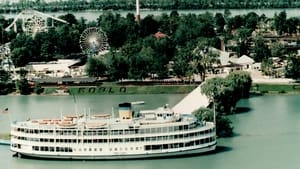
<point x="116" y="140"/>
<point x="179" y="145"/>
<point x="52" y="149"/>
<point x="112" y="132"/>
<point x="68" y="149"/>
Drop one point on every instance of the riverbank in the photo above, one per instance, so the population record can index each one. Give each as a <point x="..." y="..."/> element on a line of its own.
<point x="293" y="88"/>
<point x="114" y="89"/>
<point x="259" y="88"/>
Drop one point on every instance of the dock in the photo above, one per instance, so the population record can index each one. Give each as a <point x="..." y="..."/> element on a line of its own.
<point x="192" y="102"/>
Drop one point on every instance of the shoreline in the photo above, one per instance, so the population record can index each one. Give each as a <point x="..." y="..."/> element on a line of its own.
<point x="257" y="89"/>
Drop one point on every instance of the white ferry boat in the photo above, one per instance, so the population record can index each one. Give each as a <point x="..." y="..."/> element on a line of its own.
<point x="146" y="134"/>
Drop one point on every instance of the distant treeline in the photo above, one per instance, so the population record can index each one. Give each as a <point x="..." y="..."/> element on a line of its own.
<point x="79" y="5"/>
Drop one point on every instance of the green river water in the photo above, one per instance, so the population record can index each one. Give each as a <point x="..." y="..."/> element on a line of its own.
<point x="267" y="135"/>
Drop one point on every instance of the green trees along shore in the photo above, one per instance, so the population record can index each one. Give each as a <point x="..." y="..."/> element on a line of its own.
<point x="224" y="93"/>
<point x="176" y="45"/>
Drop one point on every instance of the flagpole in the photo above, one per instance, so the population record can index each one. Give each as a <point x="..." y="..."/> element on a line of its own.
<point x="214" y="112"/>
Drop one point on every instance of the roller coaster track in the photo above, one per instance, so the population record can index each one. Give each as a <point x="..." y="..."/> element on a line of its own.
<point x="32" y="15"/>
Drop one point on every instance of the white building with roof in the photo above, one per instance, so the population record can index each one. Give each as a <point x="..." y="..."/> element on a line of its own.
<point x="245" y="61"/>
<point x="59" y="68"/>
<point x="229" y="63"/>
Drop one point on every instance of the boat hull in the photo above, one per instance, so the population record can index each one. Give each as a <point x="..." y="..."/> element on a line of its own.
<point x="182" y="153"/>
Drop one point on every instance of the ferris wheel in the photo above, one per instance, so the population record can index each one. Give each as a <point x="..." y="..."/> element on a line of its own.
<point x="33" y="25"/>
<point x="93" y="41"/>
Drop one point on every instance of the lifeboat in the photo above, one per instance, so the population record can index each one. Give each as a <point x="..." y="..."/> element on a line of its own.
<point x="102" y="116"/>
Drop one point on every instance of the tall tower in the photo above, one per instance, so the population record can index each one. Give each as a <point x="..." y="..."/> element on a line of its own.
<point x="137" y="4"/>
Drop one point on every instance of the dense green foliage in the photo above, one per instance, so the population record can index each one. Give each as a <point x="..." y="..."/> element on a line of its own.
<point x="148" y="4"/>
<point x="22" y="84"/>
<point x="293" y="67"/>
<point x="6" y="85"/>
<point x="226" y="92"/>
<point x="224" y="128"/>
<point x="181" y="51"/>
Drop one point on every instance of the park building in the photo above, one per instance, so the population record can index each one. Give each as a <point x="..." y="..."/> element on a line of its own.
<point x="59" y="68"/>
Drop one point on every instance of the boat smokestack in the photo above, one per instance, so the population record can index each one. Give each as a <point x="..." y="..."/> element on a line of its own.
<point x="137" y="4"/>
<point x="125" y="111"/>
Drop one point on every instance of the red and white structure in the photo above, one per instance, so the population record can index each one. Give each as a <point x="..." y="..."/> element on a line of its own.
<point x="138" y="16"/>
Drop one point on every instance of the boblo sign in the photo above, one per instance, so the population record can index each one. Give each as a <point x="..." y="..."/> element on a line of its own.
<point x="96" y="89"/>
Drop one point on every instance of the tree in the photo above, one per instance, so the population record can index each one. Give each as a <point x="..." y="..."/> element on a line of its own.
<point x="5" y="82"/>
<point x="261" y="51"/>
<point x="23" y="86"/>
<point x="280" y="22"/>
<point x="278" y="50"/>
<point x="140" y="64"/>
<point x="223" y="124"/>
<point x="118" y="66"/>
<point x="20" y="56"/>
<point x="182" y="57"/>
<point x="115" y="28"/>
<point x="188" y="29"/>
<point x="206" y="25"/>
<point x="95" y="67"/>
<point x="292" y="69"/>
<point x="243" y="41"/>
<point x="23" y="50"/>
<point x="235" y="22"/>
<point x="4" y="76"/>
<point x="251" y="20"/>
<point x="148" y="26"/>
<point x="70" y="18"/>
<point x="220" y="22"/>
<point x="226" y="92"/>
<point x="174" y="19"/>
<point x="203" y="59"/>
<point x="132" y="29"/>
<point x="220" y="94"/>
<point x="67" y="40"/>
<point x="163" y="49"/>
<point x="241" y="83"/>
<point x="292" y="25"/>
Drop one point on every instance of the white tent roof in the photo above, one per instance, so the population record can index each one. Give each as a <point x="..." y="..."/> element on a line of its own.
<point x="244" y="60"/>
<point x="62" y="65"/>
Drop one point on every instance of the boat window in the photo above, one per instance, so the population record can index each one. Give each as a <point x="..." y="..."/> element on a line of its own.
<point x="165" y="129"/>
